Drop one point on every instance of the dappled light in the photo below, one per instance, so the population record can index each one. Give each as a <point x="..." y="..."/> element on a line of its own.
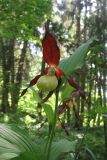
<point x="53" y="80"/>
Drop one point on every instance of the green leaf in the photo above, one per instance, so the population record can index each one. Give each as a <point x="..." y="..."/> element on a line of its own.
<point x="8" y="156"/>
<point x="16" y="144"/>
<point x="49" y="113"/>
<point x="61" y="147"/>
<point x="66" y="92"/>
<point x="75" y="61"/>
<point x="13" y="142"/>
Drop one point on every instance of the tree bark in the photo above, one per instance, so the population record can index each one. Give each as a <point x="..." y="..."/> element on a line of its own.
<point x="17" y="84"/>
<point x="7" y="50"/>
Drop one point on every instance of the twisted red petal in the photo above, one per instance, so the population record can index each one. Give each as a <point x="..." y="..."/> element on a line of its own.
<point x="32" y="82"/>
<point x="59" y="73"/>
<point x="73" y="83"/>
<point x="51" y="52"/>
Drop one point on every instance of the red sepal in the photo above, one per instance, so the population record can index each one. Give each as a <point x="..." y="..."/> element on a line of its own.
<point x="51" y="52"/>
<point x="59" y="73"/>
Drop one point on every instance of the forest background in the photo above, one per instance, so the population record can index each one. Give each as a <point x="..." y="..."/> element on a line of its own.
<point x="74" y="23"/>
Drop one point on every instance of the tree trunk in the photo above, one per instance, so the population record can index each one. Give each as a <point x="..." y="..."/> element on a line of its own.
<point x="78" y="14"/>
<point x="17" y="84"/>
<point x="7" y="50"/>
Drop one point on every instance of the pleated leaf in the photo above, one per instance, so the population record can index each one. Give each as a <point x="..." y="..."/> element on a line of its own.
<point x="8" y="156"/>
<point x="62" y="147"/>
<point x="15" y="144"/>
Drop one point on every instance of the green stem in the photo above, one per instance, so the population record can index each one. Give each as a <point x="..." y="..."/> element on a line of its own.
<point x="53" y="128"/>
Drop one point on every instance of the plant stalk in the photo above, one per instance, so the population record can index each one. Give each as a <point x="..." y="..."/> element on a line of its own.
<point x="54" y="126"/>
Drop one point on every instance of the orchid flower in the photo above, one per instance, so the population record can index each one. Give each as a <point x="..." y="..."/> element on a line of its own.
<point x="51" y="55"/>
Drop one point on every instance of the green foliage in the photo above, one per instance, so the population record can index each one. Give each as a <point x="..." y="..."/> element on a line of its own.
<point x="12" y="143"/>
<point x="20" y="17"/>
<point x="66" y="92"/>
<point x="95" y="110"/>
<point x="49" y="113"/>
<point x="94" y="140"/>
<point x="16" y="143"/>
<point x="36" y="97"/>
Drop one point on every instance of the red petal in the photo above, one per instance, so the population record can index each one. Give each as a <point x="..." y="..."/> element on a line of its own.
<point x="73" y="83"/>
<point x="51" y="52"/>
<point x="34" y="81"/>
<point x="59" y="73"/>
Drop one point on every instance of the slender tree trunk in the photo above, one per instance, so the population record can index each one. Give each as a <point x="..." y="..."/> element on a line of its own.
<point x="76" y="115"/>
<point x="12" y="71"/>
<point x="78" y="14"/>
<point x="7" y="49"/>
<point x="105" y="131"/>
<point x="85" y="21"/>
<point x="100" y="96"/>
<point x="17" y="84"/>
<point x="90" y="87"/>
<point x="82" y="103"/>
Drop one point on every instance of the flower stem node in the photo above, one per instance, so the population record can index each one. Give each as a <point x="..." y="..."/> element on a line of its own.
<point x="47" y="83"/>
